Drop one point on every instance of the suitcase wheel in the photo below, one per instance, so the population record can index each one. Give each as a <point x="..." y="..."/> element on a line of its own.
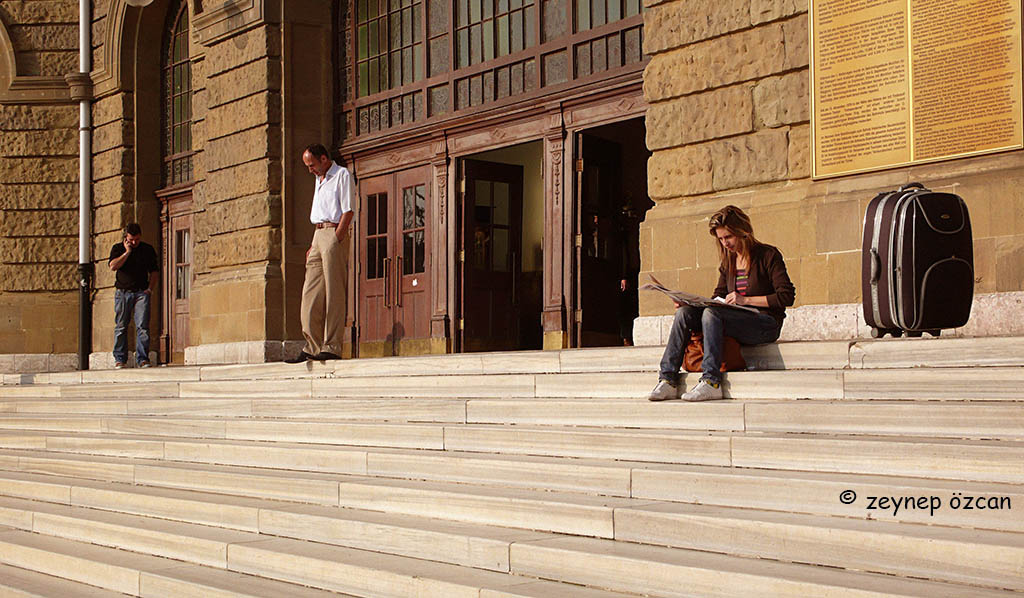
<point x="881" y="332"/>
<point x="935" y="332"/>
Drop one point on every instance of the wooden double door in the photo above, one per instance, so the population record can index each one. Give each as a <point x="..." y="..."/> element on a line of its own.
<point x="394" y="273"/>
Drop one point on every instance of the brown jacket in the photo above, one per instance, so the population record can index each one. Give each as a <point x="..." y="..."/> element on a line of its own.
<point x="766" y="276"/>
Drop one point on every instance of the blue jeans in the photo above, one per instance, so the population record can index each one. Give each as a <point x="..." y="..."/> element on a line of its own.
<point x="747" y="328"/>
<point x="127" y="304"/>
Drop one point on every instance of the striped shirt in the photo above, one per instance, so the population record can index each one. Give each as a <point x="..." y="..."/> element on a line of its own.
<point x="741" y="282"/>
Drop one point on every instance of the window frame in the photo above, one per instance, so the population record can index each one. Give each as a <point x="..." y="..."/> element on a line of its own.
<point x="173" y="119"/>
<point x="349" y="104"/>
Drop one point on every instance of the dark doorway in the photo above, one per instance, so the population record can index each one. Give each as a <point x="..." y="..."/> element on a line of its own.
<point x="611" y="201"/>
<point x="491" y="256"/>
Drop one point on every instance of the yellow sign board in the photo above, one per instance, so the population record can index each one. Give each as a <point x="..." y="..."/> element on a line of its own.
<point x="899" y="82"/>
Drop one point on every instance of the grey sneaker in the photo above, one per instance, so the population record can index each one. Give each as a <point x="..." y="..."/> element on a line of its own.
<point x="145" y="364"/>
<point x="119" y="365"/>
<point x="703" y="392"/>
<point x="664" y="391"/>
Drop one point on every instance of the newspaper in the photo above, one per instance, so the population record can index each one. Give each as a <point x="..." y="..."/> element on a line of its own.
<point x="691" y="299"/>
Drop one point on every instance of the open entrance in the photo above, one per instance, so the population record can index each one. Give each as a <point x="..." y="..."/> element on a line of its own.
<point x="611" y="201"/>
<point x="501" y="224"/>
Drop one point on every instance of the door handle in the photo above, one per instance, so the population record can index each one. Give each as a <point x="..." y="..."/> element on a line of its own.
<point x="387" y="282"/>
<point x="398" y="281"/>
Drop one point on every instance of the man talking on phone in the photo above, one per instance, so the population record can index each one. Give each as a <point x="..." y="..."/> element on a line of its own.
<point x="137" y="269"/>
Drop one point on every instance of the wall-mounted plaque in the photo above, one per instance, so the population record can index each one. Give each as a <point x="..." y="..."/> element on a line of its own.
<point x="898" y="82"/>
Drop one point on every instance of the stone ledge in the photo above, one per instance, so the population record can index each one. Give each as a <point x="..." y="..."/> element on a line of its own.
<point x="19" y="363"/>
<point x="993" y="314"/>
<point x="104" y="360"/>
<point x="242" y="352"/>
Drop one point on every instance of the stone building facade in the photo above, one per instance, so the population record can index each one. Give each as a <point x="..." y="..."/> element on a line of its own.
<point x="718" y="91"/>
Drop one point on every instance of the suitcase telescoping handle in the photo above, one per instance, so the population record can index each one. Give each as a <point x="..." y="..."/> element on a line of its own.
<point x="911" y="186"/>
<point x="876" y="265"/>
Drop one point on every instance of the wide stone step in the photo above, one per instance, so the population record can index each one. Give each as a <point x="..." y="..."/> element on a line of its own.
<point x="948" y="419"/>
<point x="926" y="418"/>
<point x="476" y="546"/>
<point x="837" y="494"/>
<point x="387" y="576"/>
<point x="974" y="557"/>
<point x="955" y="384"/>
<point x="577" y="475"/>
<point x="860" y="354"/>
<point x="136" y="574"/>
<point x="338" y="569"/>
<point x="527" y="509"/>
<point x="382" y="434"/>
<point x="976" y="460"/>
<point x="665" y="572"/>
<point x="804" y="492"/>
<point x="22" y="583"/>
<point x="967" y="556"/>
<point x="192" y="543"/>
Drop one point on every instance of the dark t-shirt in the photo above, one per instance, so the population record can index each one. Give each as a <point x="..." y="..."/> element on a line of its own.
<point x="134" y="274"/>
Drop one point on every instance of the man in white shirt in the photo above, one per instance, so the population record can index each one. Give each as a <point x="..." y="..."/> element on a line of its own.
<point x="325" y="291"/>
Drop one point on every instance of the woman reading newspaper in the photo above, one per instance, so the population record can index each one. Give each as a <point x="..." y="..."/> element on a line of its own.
<point x="751" y="274"/>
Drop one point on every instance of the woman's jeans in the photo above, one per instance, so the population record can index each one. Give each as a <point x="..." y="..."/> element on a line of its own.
<point x="127" y="304"/>
<point x="746" y="327"/>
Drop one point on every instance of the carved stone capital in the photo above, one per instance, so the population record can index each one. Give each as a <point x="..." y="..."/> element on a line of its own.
<point x="80" y="85"/>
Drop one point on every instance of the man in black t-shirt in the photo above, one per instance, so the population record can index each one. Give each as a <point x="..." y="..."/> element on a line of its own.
<point x="137" y="269"/>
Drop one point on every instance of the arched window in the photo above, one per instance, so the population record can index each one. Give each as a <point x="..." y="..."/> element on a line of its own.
<point x="177" y="98"/>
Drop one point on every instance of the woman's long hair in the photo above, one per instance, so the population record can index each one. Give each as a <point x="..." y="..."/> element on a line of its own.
<point x="736" y="222"/>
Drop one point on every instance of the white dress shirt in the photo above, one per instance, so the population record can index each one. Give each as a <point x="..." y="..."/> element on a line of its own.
<point x="333" y="195"/>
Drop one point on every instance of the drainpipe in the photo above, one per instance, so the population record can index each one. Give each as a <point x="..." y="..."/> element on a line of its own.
<point x="81" y="91"/>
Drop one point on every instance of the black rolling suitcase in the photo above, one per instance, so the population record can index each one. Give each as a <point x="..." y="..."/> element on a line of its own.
<point x="917" y="271"/>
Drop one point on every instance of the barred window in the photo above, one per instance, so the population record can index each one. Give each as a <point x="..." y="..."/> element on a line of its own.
<point x="390" y="44"/>
<point x="487" y="29"/>
<point x="177" y="98"/>
<point x="594" y="13"/>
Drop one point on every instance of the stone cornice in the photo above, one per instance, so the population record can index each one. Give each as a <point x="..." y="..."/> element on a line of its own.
<point x="229" y="18"/>
<point x="21" y="89"/>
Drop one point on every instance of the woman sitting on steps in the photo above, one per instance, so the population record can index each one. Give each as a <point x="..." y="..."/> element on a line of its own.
<point x="751" y="273"/>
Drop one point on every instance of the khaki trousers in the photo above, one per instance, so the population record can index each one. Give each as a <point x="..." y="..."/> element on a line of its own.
<point x="325" y="293"/>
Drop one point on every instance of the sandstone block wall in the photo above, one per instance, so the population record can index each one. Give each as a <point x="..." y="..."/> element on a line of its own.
<point x="39" y="195"/>
<point x="238" y="289"/>
<point x="729" y="123"/>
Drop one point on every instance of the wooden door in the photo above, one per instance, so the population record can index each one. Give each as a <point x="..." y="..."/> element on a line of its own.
<point x="376" y="303"/>
<point x="394" y="280"/>
<point x="599" y="251"/>
<point x="491" y="241"/>
<point x="411" y="331"/>
<point x="176" y="277"/>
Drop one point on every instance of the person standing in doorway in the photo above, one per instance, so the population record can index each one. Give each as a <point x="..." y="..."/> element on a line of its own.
<point x="325" y="291"/>
<point x="137" y="269"/>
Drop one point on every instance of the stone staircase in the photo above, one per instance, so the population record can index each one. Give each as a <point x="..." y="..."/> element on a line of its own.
<point x="832" y="471"/>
